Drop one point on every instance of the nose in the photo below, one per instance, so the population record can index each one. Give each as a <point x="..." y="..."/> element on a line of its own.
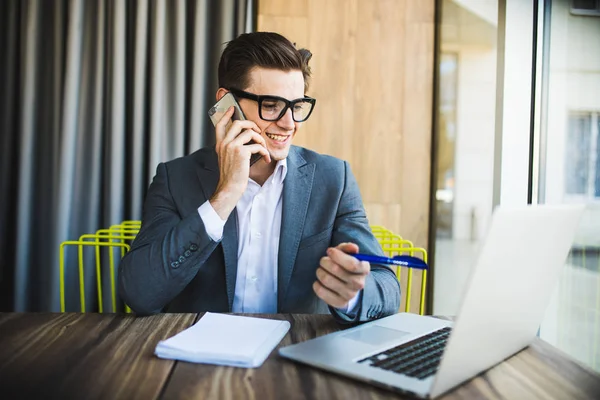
<point x="287" y="121"/>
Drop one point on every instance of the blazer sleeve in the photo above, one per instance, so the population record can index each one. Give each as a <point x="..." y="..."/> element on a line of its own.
<point x="381" y="294"/>
<point x="167" y="252"/>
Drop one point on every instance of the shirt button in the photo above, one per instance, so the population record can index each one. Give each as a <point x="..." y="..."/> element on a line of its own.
<point x="254" y="278"/>
<point x="187" y="253"/>
<point x="193" y="247"/>
<point x="257" y="234"/>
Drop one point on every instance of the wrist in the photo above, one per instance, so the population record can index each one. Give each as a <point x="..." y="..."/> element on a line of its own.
<point x="224" y="201"/>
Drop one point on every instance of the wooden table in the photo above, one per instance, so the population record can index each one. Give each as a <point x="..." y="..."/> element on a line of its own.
<point x="89" y="356"/>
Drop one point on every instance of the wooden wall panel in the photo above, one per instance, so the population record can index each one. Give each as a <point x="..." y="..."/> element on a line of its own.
<point x="296" y="8"/>
<point x="373" y="79"/>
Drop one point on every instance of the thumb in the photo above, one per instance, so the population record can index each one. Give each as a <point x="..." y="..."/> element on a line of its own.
<point x="350" y="248"/>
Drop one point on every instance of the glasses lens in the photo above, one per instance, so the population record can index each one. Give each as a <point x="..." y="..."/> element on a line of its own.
<point x="302" y="110"/>
<point x="271" y="108"/>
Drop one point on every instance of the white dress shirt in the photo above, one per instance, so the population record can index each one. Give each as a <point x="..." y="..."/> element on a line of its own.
<point x="259" y="226"/>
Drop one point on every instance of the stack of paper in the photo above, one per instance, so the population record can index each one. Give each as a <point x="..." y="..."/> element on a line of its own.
<point x="225" y="340"/>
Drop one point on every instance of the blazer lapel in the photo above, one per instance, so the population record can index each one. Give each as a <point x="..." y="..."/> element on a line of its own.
<point x="296" y="195"/>
<point x="208" y="174"/>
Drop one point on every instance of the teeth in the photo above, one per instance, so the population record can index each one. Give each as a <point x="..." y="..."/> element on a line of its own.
<point x="279" y="138"/>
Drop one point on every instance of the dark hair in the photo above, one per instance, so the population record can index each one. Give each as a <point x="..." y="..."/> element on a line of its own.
<point x="260" y="49"/>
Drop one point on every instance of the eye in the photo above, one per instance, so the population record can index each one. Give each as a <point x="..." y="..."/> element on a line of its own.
<point x="269" y="105"/>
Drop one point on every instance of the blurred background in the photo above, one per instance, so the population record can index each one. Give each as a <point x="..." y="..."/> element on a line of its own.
<point x="444" y="109"/>
<point x="517" y="121"/>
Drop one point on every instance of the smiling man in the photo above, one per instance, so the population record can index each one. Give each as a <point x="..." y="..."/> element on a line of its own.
<point x="277" y="236"/>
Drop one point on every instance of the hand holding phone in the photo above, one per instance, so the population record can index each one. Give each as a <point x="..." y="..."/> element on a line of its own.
<point x="217" y="112"/>
<point x="234" y="150"/>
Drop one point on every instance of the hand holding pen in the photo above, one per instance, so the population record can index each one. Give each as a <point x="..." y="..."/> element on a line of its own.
<point x="340" y="276"/>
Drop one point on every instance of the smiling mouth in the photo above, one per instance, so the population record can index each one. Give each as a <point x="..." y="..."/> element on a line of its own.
<point x="277" y="138"/>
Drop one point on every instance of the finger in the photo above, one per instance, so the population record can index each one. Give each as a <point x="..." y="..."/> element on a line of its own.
<point x="346" y="290"/>
<point x="339" y="272"/>
<point x="222" y="123"/>
<point x="246" y="136"/>
<point x="235" y="129"/>
<point x="257" y="148"/>
<point x="353" y="281"/>
<point x="258" y="138"/>
<point x="349" y="248"/>
<point x="246" y="124"/>
<point x="348" y="262"/>
<point x="328" y="296"/>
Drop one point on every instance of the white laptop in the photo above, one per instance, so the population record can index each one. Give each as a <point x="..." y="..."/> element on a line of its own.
<point x="501" y="311"/>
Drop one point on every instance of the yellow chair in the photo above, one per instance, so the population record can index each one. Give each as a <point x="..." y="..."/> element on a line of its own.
<point x="394" y="245"/>
<point x="114" y="237"/>
<point x="118" y="236"/>
<point x="382" y="233"/>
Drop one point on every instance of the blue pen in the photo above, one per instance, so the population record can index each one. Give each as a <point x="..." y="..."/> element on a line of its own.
<point x="403" y="261"/>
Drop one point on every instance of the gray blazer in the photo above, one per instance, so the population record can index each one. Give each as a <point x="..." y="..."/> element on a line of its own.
<point x="174" y="266"/>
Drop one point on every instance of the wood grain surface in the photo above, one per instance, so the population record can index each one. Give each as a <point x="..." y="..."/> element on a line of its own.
<point x="109" y="356"/>
<point x="538" y="372"/>
<point x="84" y="356"/>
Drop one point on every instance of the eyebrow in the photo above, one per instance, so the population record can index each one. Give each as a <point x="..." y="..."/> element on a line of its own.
<point x="280" y="97"/>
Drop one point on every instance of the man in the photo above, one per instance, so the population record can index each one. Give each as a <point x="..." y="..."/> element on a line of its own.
<point x="275" y="237"/>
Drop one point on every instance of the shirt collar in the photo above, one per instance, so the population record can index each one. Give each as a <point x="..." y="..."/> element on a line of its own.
<point x="280" y="171"/>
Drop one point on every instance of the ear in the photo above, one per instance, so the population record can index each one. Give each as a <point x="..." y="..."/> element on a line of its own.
<point x="221" y="92"/>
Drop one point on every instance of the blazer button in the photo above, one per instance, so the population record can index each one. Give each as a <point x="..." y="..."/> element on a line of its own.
<point x="187" y="253"/>
<point x="175" y="264"/>
<point x="181" y="259"/>
<point x="193" y="247"/>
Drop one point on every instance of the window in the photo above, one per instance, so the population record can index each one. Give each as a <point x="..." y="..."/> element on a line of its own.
<point x="585" y="7"/>
<point x="448" y="87"/>
<point x="582" y="155"/>
<point x="569" y="166"/>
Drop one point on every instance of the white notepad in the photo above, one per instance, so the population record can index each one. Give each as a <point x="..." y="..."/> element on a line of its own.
<point x="225" y="340"/>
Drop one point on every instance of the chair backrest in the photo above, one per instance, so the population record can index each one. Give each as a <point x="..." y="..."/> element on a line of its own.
<point x="393" y="245"/>
<point x="120" y="236"/>
<point x="113" y="238"/>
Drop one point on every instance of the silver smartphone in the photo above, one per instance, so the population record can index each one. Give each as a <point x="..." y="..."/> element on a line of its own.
<point x="217" y="111"/>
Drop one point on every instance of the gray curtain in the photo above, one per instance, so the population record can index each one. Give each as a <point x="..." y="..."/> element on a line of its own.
<point x="93" y="95"/>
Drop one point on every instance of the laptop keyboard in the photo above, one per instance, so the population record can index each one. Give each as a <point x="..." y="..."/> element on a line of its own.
<point x="419" y="358"/>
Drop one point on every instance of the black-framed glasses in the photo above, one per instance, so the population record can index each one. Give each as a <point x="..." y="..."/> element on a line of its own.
<point x="273" y="108"/>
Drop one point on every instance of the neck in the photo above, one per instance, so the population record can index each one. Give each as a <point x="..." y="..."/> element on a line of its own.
<point x="262" y="170"/>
